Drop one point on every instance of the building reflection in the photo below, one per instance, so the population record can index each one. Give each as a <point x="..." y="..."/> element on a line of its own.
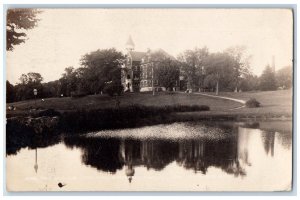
<point x="152" y="154"/>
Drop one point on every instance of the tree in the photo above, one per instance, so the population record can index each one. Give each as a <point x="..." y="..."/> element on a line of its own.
<point x="28" y="82"/>
<point x="241" y="65"/>
<point x="192" y="65"/>
<point x="267" y="79"/>
<point x="166" y="69"/>
<point x="219" y="71"/>
<point x="10" y="92"/>
<point x="249" y="82"/>
<point x="18" y="20"/>
<point x="68" y="82"/>
<point x="113" y="89"/>
<point x="51" y="89"/>
<point x="284" y="77"/>
<point x="100" y="67"/>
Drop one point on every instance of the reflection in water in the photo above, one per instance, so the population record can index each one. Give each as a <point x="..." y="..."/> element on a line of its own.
<point x="112" y="154"/>
<point x="15" y="142"/>
<point x="268" y="139"/>
<point x="36" y="164"/>
<point x="101" y="154"/>
<point x="243" y="146"/>
<point x="232" y="148"/>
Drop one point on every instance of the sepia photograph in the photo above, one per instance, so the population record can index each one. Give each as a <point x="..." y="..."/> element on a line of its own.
<point x="149" y="99"/>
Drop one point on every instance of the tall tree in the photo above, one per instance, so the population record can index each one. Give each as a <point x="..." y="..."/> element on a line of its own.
<point x="219" y="71"/>
<point x="166" y="69"/>
<point x="284" y="77"/>
<point x="68" y="82"/>
<point x="18" y="20"/>
<point x="28" y="82"/>
<point x="241" y="66"/>
<point x="249" y="82"/>
<point x="192" y="64"/>
<point x="102" y="67"/>
<point x="267" y="79"/>
<point x="10" y="92"/>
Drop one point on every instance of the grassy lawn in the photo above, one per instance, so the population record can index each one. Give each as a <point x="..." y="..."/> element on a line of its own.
<point x="272" y="102"/>
<point x="104" y="101"/>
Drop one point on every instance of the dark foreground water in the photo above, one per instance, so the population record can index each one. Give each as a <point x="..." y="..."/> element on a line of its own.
<point x="219" y="156"/>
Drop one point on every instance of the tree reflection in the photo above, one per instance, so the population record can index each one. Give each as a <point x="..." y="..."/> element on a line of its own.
<point x="112" y="154"/>
<point x="200" y="155"/>
<point x="101" y="154"/>
<point x="268" y="139"/>
<point x="18" y="139"/>
<point x="225" y="146"/>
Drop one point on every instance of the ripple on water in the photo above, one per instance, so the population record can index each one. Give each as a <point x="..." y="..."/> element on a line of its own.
<point x="175" y="131"/>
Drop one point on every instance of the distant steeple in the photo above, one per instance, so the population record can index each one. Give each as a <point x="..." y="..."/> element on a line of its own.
<point x="129" y="44"/>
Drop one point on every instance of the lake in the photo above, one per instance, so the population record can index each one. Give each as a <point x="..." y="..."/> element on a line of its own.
<point x="189" y="156"/>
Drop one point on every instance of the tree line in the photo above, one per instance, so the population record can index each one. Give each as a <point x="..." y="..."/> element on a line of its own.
<point x="100" y="72"/>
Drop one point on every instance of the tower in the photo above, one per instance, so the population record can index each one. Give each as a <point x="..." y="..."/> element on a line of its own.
<point x="129" y="44"/>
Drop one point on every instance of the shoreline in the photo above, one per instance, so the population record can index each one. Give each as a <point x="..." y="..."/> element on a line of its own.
<point x="96" y="120"/>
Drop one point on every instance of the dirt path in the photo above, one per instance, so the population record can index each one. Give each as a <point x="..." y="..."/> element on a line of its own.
<point x="227" y="98"/>
<point x="221" y="97"/>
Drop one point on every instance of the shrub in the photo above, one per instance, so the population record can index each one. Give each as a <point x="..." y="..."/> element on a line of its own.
<point x="252" y="103"/>
<point x="113" y="89"/>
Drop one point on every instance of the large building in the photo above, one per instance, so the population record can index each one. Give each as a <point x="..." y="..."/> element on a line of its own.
<point x="139" y="73"/>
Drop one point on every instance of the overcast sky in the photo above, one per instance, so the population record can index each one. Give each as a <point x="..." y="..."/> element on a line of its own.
<point x="64" y="35"/>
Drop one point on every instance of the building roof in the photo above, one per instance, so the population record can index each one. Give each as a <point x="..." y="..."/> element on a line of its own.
<point x="136" y="55"/>
<point x="163" y="52"/>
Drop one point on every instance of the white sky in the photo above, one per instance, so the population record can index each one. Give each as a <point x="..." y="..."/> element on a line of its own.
<point x="64" y="35"/>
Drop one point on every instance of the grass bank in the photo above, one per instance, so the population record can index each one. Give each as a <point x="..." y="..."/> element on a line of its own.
<point x="124" y="117"/>
<point x="94" y="102"/>
<point x="145" y="109"/>
<point x="272" y="103"/>
<point x="79" y="121"/>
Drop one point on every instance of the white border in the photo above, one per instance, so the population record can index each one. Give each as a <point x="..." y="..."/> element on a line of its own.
<point x="165" y="3"/>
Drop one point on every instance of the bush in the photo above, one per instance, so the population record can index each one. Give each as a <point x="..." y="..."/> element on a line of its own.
<point x="113" y="89"/>
<point x="252" y="103"/>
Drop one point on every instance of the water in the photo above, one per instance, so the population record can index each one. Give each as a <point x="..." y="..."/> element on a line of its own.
<point x="219" y="156"/>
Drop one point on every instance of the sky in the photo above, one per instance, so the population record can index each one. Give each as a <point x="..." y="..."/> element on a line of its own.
<point x="63" y="36"/>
